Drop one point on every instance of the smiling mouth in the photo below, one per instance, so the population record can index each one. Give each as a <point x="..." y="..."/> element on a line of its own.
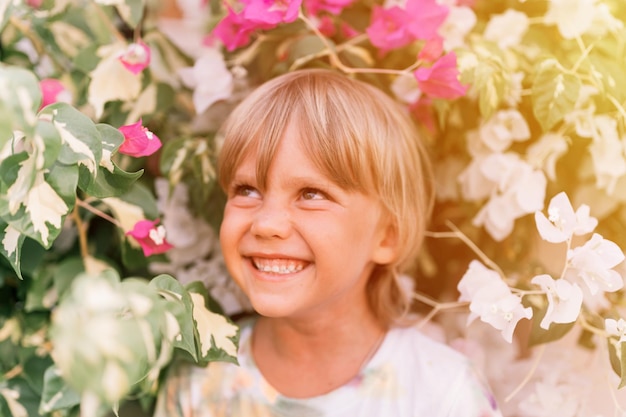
<point x="278" y="266"/>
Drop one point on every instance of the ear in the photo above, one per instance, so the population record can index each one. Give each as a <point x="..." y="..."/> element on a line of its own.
<point x="387" y="245"/>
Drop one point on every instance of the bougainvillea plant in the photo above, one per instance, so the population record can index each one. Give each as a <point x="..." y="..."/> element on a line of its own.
<point x="109" y="115"/>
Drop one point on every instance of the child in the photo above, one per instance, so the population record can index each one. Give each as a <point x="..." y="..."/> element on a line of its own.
<point x="329" y="192"/>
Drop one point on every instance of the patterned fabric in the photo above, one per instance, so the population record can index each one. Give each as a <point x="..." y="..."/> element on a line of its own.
<point x="410" y="375"/>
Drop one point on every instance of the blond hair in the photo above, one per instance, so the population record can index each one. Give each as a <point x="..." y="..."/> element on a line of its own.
<point x="355" y="134"/>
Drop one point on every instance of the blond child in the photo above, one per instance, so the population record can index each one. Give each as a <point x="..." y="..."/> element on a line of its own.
<point x="329" y="193"/>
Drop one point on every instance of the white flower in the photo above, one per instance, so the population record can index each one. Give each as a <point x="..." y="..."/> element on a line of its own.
<point x="593" y="263"/>
<point x="616" y="328"/>
<point x="515" y="89"/>
<point x="604" y="21"/>
<point x="572" y="17"/>
<point x="504" y="127"/>
<point x="460" y="21"/>
<point x="564" y="300"/>
<point x="520" y="191"/>
<point x="491" y="300"/>
<point x="506" y="29"/>
<point x="476" y="278"/>
<point x="607" y="153"/>
<point x="562" y="223"/>
<point x="547" y="151"/>
<point x="405" y="88"/>
<point x="209" y="78"/>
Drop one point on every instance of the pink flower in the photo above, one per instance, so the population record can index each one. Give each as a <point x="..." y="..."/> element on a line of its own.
<point x="138" y="140"/>
<point x="271" y="12"/>
<point x="35" y="4"/>
<point x="390" y="28"/>
<point x="326" y="26"/>
<point x="442" y="79"/>
<point x="348" y="31"/>
<point x="432" y="49"/>
<point x="234" y="30"/>
<point x="335" y="7"/>
<point x="426" y="18"/>
<point x="52" y="91"/>
<point x="136" y="57"/>
<point x="395" y="27"/>
<point x="150" y="237"/>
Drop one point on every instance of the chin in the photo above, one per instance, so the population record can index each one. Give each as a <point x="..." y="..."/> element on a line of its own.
<point x="271" y="307"/>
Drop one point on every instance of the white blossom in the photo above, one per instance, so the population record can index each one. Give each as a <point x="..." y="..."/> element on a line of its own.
<point x="572" y="17"/>
<point x="608" y="153"/>
<point x="520" y="191"/>
<point x="503" y="128"/>
<point x="564" y="300"/>
<point x="616" y="328"/>
<point x="507" y="29"/>
<point x="209" y="78"/>
<point x="492" y="300"/>
<point x="594" y="261"/>
<point x="406" y="89"/>
<point x="459" y="22"/>
<point x="562" y="222"/>
<point x="546" y="152"/>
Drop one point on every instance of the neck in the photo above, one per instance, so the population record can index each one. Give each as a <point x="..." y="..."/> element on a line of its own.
<point x="330" y="353"/>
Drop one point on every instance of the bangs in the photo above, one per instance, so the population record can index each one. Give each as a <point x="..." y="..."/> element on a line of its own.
<point x="319" y="116"/>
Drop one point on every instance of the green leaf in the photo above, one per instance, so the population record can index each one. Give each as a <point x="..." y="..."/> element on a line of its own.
<point x="554" y="93"/>
<point x="57" y="395"/>
<point x="45" y="204"/>
<point x="24" y="400"/>
<point x="34" y="371"/>
<point x="131" y="11"/>
<point x="108" y="184"/>
<point x="110" y="181"/>
<point x="216" y="336"/>
<point x="81" y="139"/>
<point x="11" y="241"/>
<point x="20" y="98"/>
<point x="173" y="290"/>
<point x="40" y="295"/>
<point x="65" y="272"/>
<point x="141" y="196"/>
<point x="6" y="10"/>
<point x="539" y="335"/>
<point x="49" y="135"/>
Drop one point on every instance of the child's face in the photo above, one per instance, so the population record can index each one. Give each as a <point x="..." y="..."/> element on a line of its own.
<point x="304" y="245"/>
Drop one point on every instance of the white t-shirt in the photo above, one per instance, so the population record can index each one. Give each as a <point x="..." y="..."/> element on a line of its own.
<point x="410" y="375"/>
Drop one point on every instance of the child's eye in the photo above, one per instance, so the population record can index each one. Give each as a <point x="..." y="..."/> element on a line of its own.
<point x="313" y="194"/>
<point x="244" y="190"/>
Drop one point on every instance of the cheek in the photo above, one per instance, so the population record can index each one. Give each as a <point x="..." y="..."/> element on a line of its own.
<point x="228" y="233"/>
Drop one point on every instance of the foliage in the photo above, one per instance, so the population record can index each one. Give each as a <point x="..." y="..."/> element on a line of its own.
<point x="521" y="102"/>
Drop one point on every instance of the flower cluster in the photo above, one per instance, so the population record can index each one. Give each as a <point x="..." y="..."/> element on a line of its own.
<point x="520" y="102"/>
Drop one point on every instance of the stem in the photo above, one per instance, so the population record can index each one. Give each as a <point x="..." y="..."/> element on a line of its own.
<point x="82" y="230"/>
<point x="565" y="266"/>
<point x="98" y="213"/>
<point x="460" y="235"/>
<point x="529" y="375"/>
<point x="618" y="105"/>
<point x="436" y="307"/>
<point x="585" y="50"/>
<point x="334" y="58"/>
<point x="13" y="372"/>
<point x="107" y="21"/>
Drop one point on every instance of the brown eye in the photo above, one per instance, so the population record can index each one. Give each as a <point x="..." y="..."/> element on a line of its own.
<point x="313" y="194"/>
<point x="243" y="190"/>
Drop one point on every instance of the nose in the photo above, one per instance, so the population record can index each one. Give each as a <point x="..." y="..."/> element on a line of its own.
<point x="271" y="220"/>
